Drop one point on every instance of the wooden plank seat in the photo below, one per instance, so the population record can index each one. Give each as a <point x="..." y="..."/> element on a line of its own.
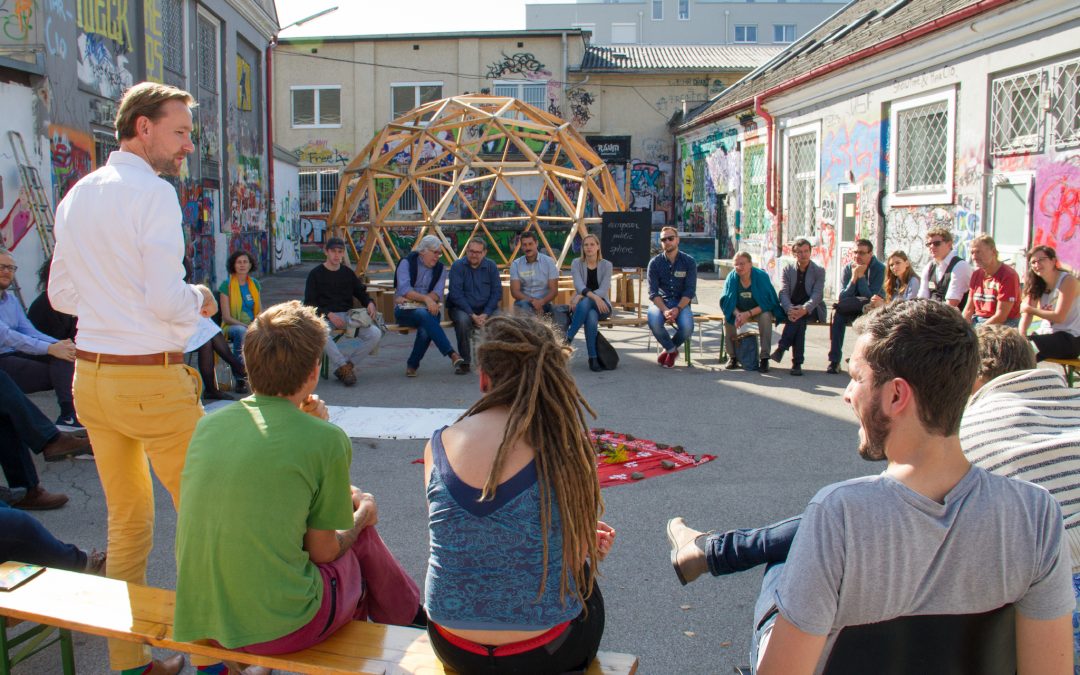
<point x="1070" y="366"/>
<point x="116" y="609"/>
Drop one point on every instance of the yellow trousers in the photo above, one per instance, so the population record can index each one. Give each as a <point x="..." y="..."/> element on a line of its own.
<point x="134" y="414"/>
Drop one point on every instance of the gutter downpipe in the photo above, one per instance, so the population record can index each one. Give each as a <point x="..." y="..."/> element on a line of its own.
<point x="770" y="165"/>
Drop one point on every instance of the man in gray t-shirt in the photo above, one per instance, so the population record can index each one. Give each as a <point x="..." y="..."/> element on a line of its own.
<point x="534" y="277"/>
<point x="931" y="534"/>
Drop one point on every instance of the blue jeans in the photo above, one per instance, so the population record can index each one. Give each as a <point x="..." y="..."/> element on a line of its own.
<point x="684" y="327"/>
<point x="836" y="334"/>
<point x="979" y="320"/>
<point x="428" y="330"/>
<point x="236" y="339"/>
<point x="764" y="610"/>
<point x="740" y="550"/>
<point x="22" y="428"/>
<point x="794" y="337"/>
<point x="24" y="539"/>
<point x="587" y="314"/>
<point x="526" y="306"/>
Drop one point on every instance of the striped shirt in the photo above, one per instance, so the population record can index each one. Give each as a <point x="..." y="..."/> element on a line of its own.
<point x="1026" y="425"/>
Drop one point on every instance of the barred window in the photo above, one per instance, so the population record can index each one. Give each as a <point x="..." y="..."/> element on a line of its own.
<point x="533" y="93"/>
<point x="922" y="132"/>
<point x="318" y="106"/>
<point x="208" y="53"/>
<point x="1065" y="104"/>
<point x="753" y="187"/>
<point x="172" y="29"/>
<point x="1016" y="115"/>
<point x="317" y="191"/>
<point x="802" y="175"/>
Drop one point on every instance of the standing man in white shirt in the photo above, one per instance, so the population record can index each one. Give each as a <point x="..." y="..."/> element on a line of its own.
<point x="118" y="267"/>
<point x="947" y="277"/>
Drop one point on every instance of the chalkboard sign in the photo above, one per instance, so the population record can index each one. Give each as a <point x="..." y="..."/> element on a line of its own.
<point x="625" y="238"/>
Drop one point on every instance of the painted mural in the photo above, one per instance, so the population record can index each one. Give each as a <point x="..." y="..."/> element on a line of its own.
<point x="104" y="46"/>
<point x="287" y="231"/>
<point x="15" y="224"/>
<point x="1056" y="212"/>
<point x="321" y="152"/>
<point x="72" y="158"/>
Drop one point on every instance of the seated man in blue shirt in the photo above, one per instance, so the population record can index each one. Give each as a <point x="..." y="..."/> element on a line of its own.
<point x="36" y="361"/>
<point x="672" y="285"/>
<point x="862" y="279"/>
<point x="419" y="283"/>
<point x="474" y="295"/>
<point x="534" y="277"/>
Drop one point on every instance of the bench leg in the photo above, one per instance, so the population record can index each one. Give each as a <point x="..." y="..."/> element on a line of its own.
<point x="32" y="641"/>
<point x="67" y="652"/>
<point x="5" y="656"/>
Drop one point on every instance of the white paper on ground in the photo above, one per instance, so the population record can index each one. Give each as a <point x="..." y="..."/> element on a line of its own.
<point x="392" y="423"/>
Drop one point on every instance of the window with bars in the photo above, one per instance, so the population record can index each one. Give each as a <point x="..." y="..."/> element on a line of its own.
<point x="405" y="97"/>
<point x="172" y="30"/>
<point x="922" y="132"/>
<point x="753" y="187"/>
<point x="317" y="191"/>
<point x="1065" y="103"/>
<point x="1016" y="117"/>
<point x="208" y="53"/>
<point x="533" y="93"/>
<point x="318" y="106"/>
<point x="802" y="176"/>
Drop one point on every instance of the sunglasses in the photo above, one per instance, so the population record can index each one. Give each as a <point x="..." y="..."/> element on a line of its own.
<point x="935" y="243"/>
<point x="671" y="238"/>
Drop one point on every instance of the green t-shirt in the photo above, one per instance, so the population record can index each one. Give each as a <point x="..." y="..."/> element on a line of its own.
<point x="258" y="474"/>
<point x="745" y="300"/>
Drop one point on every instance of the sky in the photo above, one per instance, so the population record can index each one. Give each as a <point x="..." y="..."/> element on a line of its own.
<point x="379" y="17"/>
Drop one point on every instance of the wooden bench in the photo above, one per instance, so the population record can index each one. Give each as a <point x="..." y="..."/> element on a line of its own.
<point x="115" y="609"/>
<point x="1070" y="366"/>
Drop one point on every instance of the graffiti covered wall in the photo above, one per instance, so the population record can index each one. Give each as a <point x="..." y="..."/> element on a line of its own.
<point x="286" y="215"/>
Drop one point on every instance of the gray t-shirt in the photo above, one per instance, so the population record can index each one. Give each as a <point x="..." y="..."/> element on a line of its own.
<point x="534" y="276"/>
<point x="870" y="549"/>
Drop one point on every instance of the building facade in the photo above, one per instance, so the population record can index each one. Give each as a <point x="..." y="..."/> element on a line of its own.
<point x="889" y="119"/>
<point x="684" y="22"/>
<point x="64" y="65"/>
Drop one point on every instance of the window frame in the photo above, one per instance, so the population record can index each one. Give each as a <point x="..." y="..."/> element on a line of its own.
<point x="624" y="24"/>
<point x="520" y="86"/>
<point x="784" y="27"/>
<point x="315" y="88"/>
<point x="684" y="10"/>
<point x="744" y="41"/>
<point x="813" y="128"/>
<point x="1007" y="249"/>
<point x="937" y="196"/>
<point x="319" y="173"/>
<point x="653" y="6"/>
<point x="416" y="93"/>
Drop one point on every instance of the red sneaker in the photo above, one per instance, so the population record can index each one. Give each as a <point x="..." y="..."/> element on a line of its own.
<point x="661" y="358"/>
<point x="669" y="362"/>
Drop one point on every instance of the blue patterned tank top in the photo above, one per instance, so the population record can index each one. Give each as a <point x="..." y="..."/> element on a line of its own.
<point x="487" y="557"/>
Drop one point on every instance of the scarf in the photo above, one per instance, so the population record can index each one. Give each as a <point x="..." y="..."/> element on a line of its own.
<point x="236" y="301"/>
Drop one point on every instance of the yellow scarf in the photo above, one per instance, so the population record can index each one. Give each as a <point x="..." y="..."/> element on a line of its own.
<point x="236" y="301"/>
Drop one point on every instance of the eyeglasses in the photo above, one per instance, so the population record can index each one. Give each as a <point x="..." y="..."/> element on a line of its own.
<point x="935" y="243"/>
<point x="671" y="238"/>
<point x="1033" y="260"/>
<point x="9" y="268"/>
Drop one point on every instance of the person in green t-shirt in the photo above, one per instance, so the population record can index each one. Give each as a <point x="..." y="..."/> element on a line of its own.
<point x="274" y="549"/>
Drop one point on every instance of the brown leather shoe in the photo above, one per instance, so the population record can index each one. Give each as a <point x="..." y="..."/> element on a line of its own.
<point x="38" y="499"/>
<point x="687" y="550"/>
<point x="95" y="563"/>
<point x="170" y="666"/>
<point x="66" y="445"/>
<point x="346" y="373"/>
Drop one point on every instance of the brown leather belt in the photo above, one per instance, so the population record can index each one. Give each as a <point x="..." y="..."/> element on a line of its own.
<point x="160" y="359"/>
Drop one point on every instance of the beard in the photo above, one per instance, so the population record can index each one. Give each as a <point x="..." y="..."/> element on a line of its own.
<point x="164" y="165"/>
<point x="875" y="429"/>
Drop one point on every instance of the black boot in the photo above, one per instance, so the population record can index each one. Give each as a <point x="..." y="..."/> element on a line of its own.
<point x="594" y="364"/>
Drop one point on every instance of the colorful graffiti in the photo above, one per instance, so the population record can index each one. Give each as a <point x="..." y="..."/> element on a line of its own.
<point x="649" y="189"/>
<point x="15" y="22"/>
<point x="243" y="84"/>
<point x="15" y="225"/>
<point x="72" y="155"/>
<point x="1057" y="209"/>
<point x="851" y="153"/>
<point x="106" y="18"/>
<point x="312" y="229"/>
<point x="287" y="231"/>
<point x="199" y="205"/>
<point x="101" y="69"/>
<point x="320" y="152"/>
<point x="154" y="42"/>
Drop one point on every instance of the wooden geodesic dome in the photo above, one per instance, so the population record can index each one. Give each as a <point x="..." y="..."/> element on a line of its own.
<point x="476" y="164"/>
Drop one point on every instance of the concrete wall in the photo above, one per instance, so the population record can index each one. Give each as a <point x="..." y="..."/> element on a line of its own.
<point x="709" y="23"/>
<point x="852" y="117"/>
<point x="90" y="52"/>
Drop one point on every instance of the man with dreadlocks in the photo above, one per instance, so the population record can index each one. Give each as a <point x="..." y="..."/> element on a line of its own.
<point x="513" y="506"/>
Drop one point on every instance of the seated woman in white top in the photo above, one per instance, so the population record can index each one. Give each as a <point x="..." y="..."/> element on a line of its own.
<point x="1050" y="294"/>
<point x="901" y="282"/>
<point x="590" y="304"/>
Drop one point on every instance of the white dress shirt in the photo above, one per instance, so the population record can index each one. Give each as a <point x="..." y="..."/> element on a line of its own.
<point x="118" y="263"/>
<point x="958" y="282"/>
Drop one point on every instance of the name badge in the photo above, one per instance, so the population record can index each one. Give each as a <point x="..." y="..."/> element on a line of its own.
<point x="680" y="274"/>
<point x="528" y="273"/>
<point x="932" y="285"/>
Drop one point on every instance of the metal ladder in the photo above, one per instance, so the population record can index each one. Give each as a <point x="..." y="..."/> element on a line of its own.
<point x="36" y="199"/>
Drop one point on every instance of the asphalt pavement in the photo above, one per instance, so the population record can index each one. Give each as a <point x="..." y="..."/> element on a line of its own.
<point x="777" y="439"/>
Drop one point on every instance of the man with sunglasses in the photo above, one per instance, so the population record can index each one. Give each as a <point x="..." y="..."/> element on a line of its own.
<point x="947" y="277"/>
<point x="672" y="285"/>
<point x="862" y="279"/>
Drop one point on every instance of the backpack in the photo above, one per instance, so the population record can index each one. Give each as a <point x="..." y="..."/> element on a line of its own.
<point x="605" y="353"/>
<point x="746" y="350"/>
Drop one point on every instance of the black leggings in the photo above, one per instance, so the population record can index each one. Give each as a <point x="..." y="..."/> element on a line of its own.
<point x="218" y="344"/>
<point x="1060" y="345"/>
<point x="571" y="652"/>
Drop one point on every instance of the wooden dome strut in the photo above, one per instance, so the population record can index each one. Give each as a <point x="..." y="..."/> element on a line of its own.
<point x="443" y="163"/>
